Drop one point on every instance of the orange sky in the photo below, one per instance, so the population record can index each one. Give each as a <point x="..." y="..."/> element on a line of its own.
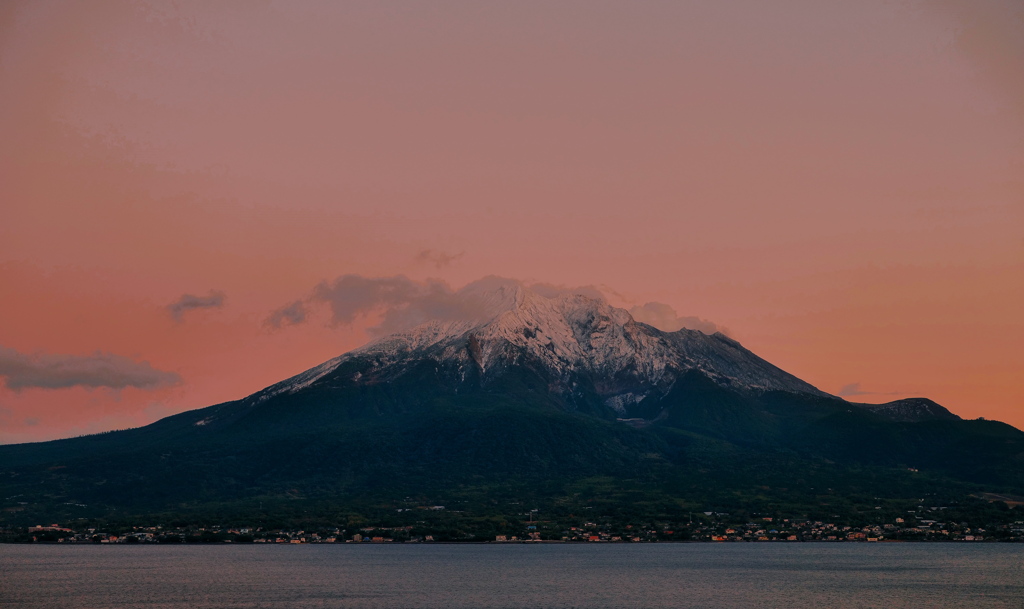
<point x="840" y="184"/>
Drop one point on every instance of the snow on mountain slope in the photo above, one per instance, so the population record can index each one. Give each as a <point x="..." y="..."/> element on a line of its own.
<point x="910" y="410"/>
<point x="569" y="336"/>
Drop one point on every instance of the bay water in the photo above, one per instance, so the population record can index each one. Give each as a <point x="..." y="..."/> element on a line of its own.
<point x="454" y="576"/>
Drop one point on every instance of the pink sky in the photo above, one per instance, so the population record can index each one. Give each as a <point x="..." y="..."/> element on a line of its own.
<point x="841" y="185"/>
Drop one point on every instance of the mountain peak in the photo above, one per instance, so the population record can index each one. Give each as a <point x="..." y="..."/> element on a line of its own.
<point x="496" y="306"/>
<point x="574" y="340"/>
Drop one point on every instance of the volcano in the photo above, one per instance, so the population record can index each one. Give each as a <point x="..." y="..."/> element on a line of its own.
<point x="518" y="387"/>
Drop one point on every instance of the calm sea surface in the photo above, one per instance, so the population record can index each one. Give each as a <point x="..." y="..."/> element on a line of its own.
<point x="790" y="576"/>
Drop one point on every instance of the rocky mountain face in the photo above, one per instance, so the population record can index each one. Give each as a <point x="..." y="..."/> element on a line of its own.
<point x="582" y="347"/>
<point x="588" y="354"/>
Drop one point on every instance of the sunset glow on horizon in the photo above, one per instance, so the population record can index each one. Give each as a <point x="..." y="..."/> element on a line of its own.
<point x="840" y="186"/>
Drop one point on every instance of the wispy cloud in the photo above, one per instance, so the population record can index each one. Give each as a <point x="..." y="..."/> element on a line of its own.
<point x="854" y="389"/>
<point x="187" y="302"/>
<point x="399" y="303"/>
<point x="989" y="34"/>
<point x="288" y="315"/>
<point x="664" y="317"/>
<point x="53" y="371"/>
<point x="439" y="259"/>
<point x="550" y="290"/>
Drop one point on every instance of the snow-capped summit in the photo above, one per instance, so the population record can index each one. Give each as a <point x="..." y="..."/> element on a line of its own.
<point x="574" y="340"/>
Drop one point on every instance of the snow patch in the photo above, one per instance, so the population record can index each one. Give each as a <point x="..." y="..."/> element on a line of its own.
<point x="618" y="403"/>
<point x="568" y="335"/>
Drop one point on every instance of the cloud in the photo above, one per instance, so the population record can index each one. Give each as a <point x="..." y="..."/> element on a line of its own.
<point x="187" y="302"/>
<point x="288" y="315"/>
<point x="401" y="302"/>
<point x="550" y="290"/>
<point x="854" y="389"/>
<point x="49" y="371"/>
<point x="851" y="390"/>
<point x="664" y="317"/>
<point x="438" y="258"/>
<point x="991" y="35"/>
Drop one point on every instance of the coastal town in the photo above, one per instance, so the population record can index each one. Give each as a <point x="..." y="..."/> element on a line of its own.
<point x="767" y="529"/>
